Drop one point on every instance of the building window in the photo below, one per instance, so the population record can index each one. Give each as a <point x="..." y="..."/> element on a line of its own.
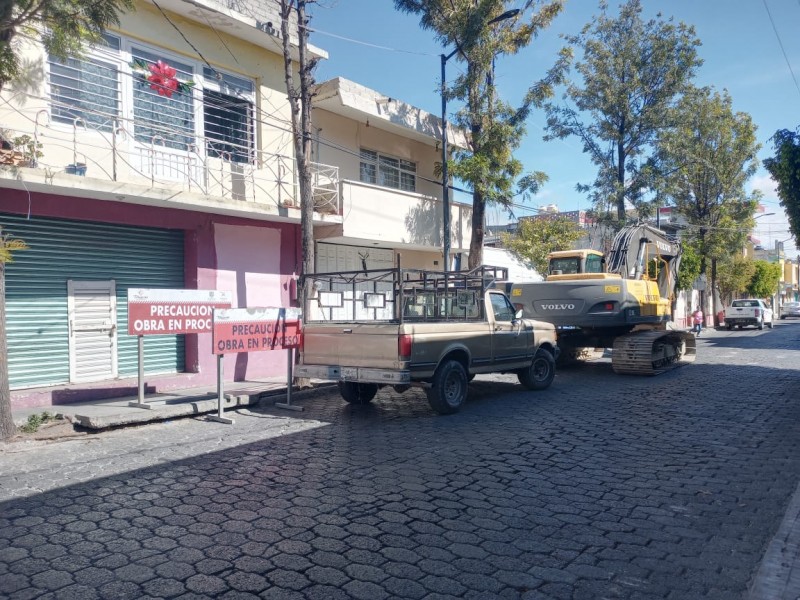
<point x="87" y="89"/>
<point x="157" y="119"/>
<point x="228" y="116"/>
<point x="388" y="171"/>
<point x="213" y="114"/>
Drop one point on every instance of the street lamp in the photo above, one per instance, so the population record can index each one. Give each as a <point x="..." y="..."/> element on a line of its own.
<point x="445" y="179"/>
<point x="764" y="215"/>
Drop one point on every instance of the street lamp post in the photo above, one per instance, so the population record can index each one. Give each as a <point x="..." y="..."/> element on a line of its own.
<point x="445" y="178"/>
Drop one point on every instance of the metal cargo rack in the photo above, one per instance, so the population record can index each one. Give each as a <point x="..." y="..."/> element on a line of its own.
<point x="399" y="295"/>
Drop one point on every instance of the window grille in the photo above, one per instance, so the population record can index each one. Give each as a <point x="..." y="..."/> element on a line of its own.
<point x="388" y="171"/>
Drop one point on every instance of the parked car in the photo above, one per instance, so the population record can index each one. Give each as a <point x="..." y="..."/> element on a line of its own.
<point x="751" y="311"/>
<point x="790" y="309"/>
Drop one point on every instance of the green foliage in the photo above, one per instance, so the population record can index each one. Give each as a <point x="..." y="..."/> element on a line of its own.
<point x="631" y="73"/>
<point x="495" y="127"/>
<point x="536" y="238"/>
<point x="708" y="155"/>
<point x="35" y="421"/>
<point x="65" y="25"/>
<point x="765" y="280"/>
<point x="8" y="245"/>
<point x="689" y="269"/>
<point x="734" y="274"/>
<point x="785" y="170"/>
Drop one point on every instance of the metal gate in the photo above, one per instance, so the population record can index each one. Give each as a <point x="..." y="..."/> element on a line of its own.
<point x="37" y="311"/>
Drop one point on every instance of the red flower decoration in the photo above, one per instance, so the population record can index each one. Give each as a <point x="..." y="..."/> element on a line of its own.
<point x="162" y="79"/>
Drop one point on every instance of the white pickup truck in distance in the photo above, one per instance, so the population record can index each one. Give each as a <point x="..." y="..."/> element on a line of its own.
<point x="403" y="328"/>
<point x="753" y="312"/>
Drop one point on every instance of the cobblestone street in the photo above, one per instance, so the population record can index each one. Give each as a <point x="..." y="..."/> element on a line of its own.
<point x="603" y="486"/>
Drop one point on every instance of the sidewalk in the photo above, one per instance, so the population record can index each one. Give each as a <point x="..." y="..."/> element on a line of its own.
<point x="115" y="412"/>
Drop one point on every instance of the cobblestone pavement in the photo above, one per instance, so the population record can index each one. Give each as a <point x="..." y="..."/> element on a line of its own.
<point x="601" y="487"/>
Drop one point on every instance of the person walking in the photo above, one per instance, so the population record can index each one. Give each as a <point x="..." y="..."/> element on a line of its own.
<point x="697" y="321"/>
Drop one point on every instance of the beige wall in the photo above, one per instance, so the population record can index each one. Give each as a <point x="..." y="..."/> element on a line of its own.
<point x="63" y="144"/>
<point x="354" y="135"/>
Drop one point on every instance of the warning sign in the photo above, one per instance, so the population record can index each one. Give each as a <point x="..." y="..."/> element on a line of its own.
<point x="255" y="329"/>
<point x="166" y="312"/>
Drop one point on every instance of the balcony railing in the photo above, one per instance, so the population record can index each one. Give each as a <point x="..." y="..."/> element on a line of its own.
<point x="236" y="173"/>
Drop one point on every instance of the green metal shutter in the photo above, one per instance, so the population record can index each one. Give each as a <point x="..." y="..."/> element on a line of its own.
<point x="36" y="292"/>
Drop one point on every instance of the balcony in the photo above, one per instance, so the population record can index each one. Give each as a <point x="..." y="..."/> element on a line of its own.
<point x="206" y="174"/>
<point x="393" y="218"/>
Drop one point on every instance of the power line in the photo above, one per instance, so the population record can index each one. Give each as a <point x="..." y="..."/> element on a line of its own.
<point x="780" y="43"/>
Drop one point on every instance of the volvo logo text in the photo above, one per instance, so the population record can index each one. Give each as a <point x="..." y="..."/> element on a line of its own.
<point x="558" y="306"/>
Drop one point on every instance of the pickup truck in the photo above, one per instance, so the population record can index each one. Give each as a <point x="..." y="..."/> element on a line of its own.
<point x="754" y="312"/>
<point x="403" y="328"/>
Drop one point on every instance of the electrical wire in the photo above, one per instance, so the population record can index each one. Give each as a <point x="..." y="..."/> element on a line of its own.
<point x="780" y="43"/>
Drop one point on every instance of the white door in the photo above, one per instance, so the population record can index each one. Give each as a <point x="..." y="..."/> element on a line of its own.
<point x="92" y="309"/>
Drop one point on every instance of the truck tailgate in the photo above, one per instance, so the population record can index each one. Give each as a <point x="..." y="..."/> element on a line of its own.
<point x="371" y="345"/>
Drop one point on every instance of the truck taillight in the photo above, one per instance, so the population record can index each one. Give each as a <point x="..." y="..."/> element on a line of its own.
<point x="758" y="312"/>
<point x="404" y="347"/>
<point x="300" y="340"/>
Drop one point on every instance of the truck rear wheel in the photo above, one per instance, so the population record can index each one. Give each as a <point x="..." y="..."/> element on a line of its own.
<point x="540" y="374"/>
<point x="358" y="393"/>
<point x="449" y="388"/>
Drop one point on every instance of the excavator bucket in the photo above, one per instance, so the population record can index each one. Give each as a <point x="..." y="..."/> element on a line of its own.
<point x="652" y="352"/>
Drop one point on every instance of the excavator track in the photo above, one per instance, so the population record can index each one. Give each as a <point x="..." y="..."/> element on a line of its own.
<point x="652" y="352"/>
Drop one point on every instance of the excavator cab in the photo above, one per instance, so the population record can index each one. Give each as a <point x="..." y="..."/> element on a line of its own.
<point x="575" y="264"/>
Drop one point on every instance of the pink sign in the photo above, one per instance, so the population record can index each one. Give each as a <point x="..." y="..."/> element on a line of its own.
<point x="255" y="329"/>
<point x="167" y="312"/>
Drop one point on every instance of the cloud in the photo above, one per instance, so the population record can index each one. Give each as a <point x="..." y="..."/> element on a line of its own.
<point x="766" y="185"/>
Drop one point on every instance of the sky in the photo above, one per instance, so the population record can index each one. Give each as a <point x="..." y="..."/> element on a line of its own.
<point x="758" y="63"/>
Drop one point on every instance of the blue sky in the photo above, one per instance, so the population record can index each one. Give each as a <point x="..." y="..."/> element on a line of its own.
<point x="371" y="43"/>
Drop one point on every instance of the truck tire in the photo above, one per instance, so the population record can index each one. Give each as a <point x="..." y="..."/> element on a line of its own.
<point x="358" y="393"/>
<point x="761" y="324"/>
<point x="449" y="388"/>
<point x="540" y="374"/>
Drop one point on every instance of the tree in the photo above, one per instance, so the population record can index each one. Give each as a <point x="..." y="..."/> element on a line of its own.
<point x="709" y="154"/>
<point x="734" y="274"/>
<point x="765" y="280"/>
<point x="689" y="269"/>
<point x="495" y="127"/>
<point x="8" y="245"/>
<point x="536" y="238"/>
<point x="785" y="170"/>
<point x="632" y="71"/>
<point x="64" y="26"/>
<point x="300" y="103"/>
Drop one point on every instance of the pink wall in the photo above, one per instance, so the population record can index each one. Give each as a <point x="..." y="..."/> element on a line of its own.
<point x="253" y="259"/>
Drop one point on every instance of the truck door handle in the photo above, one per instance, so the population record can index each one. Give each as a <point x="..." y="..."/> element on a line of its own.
<point x="347" y="331"/>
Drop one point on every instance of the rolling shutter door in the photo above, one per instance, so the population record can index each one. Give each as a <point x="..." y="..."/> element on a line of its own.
<point x="36" y="292"/>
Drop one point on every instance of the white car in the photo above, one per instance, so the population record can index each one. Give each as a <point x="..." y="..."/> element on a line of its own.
<point x="790" y="309"/>
<point x="750" y="311"/>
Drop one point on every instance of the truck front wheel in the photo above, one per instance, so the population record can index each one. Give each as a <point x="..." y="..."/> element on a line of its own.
<point x="540" y="374"/>
<point x="449" y="388"/>
<point x="358" y="393"/>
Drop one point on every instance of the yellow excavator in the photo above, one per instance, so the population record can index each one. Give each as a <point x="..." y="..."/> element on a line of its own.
<point x="619" y="300"/>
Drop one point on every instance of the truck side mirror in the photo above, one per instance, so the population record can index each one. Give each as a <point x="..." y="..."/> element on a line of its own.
<point x="518" y="315"/>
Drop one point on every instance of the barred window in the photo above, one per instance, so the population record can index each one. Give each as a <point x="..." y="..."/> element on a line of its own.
<point x="155" y="116"/>
<point x="86" y="89"/>
<point x="388" y="171"/>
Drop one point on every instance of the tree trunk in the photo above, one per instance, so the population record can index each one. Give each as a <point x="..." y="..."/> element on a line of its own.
<point x="714" y="308"/>
<point x="304" y="154"/>
<point x="300" y="104"/>
<point x="476" y="242"/>
<point x="7" y="428"/>
<point x="621" y="216"/>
